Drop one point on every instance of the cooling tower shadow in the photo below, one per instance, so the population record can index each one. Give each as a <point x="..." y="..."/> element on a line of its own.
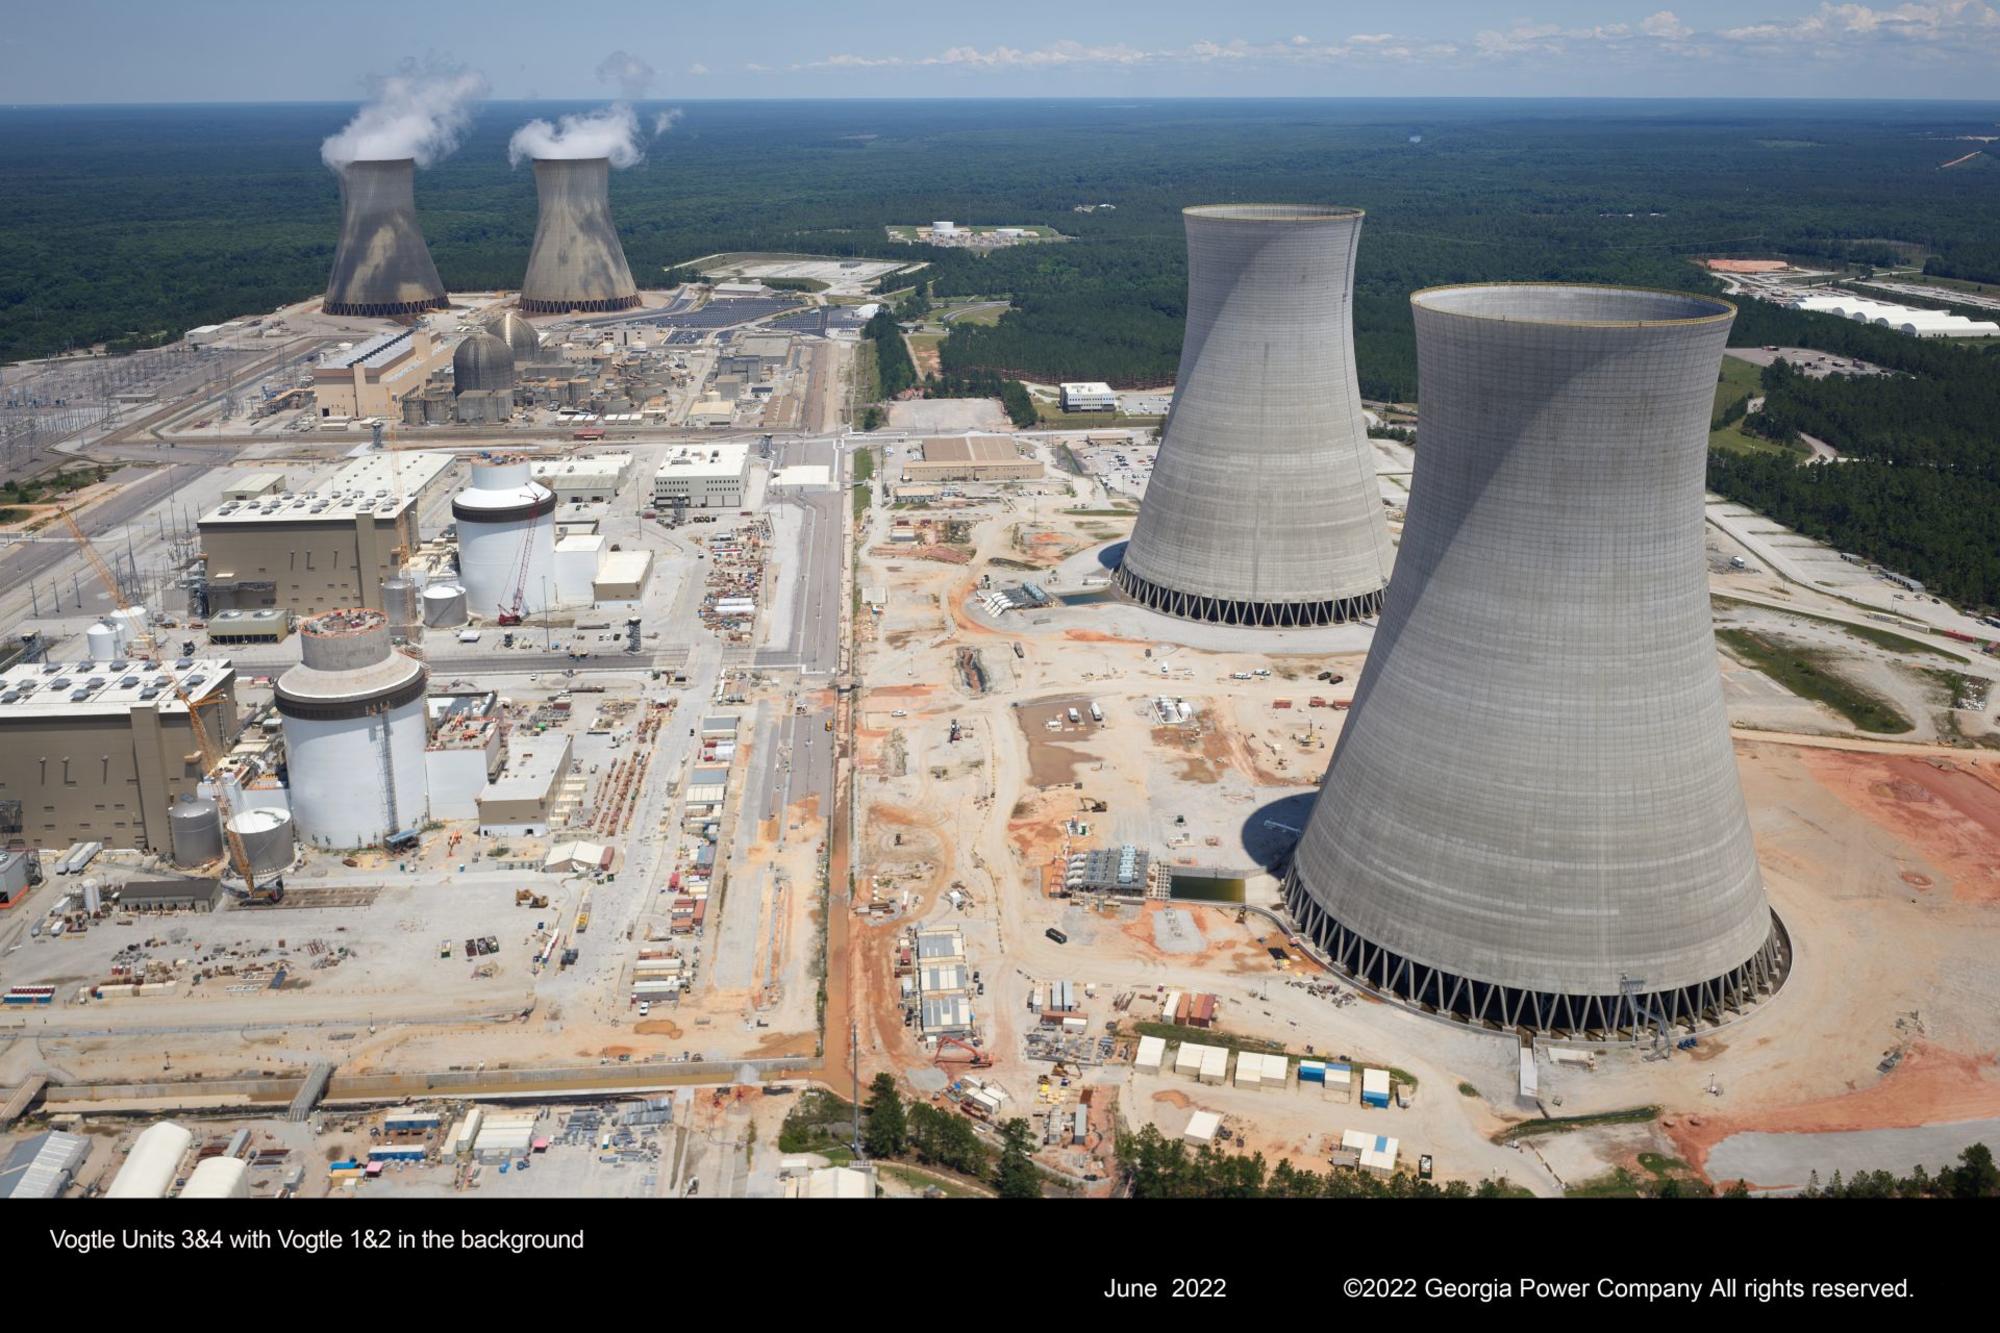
<point x="1272" y="831"/>
<point x="1112" y="556"/>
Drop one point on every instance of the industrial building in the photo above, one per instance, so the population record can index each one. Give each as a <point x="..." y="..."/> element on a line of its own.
<point x="153" y="1164"/>
<point x="467" y="750"/>
<point x="1908" y="320"/>
<point x="1263" y="508"/>
<point x="381" y="266"/>
<point x="171" y="893"/>
<point x="371" y="378"/>
<point x="1091" y="396"/>
<point x="355" y="736"/>
<point x="310" y="551"/>
<point x="970" y="458"/>
<point x="577" y="262"/>
<point x="99" y="751"/>
<point x="579" y="481"/>
<point x="523" y="798"/>
<point x="1532" y="818"/>
<point x="702" y="476"/>
<point x="43" y="1166"/>
<point x="506" y="541"/>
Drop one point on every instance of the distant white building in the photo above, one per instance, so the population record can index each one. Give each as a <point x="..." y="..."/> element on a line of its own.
<point x="1903" y="319"/>
<point x="707" y="476"/>
<point x="1091" y="396"/>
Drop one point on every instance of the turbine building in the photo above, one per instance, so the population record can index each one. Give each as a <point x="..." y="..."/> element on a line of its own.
<point x="577" y="262"/>
<point x="1533" y="817"/>
<point x="381" y="266"/>
<point x="1263" y="508"/>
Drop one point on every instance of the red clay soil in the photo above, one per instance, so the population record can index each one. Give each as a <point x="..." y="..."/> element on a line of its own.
<point x="1948" y="811"/>
<point x="1099" y="636"/>
<point x="1930" y="1086"/>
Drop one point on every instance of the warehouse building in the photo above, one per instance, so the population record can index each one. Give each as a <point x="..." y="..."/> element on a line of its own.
<point x="170" y="893"/>
<point x="709" y="476"/>
<point x="523" y="797"/>
<point x="371" y="379"/>
<point x="971" y="458"/>
<point x="97" y="751"/>
<point x="153" y="1163"/>
<point x="42" y="1167"/>
<point x="322" y="549"/>
<point x="578" y="481"/>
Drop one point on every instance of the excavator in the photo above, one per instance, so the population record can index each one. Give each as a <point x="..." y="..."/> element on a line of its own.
<point x="973" y="1057"/>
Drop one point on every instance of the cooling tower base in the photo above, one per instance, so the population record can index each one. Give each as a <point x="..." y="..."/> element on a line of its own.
<point x="386" y="310"/>
<point x="1499" y="1008"/>
<point x="589" y="307"/>
<point x="1259" y="615"/>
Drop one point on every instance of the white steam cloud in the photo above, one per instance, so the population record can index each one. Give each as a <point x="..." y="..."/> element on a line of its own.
<point x="612" y="132"/>
<point x="420" y="112"/>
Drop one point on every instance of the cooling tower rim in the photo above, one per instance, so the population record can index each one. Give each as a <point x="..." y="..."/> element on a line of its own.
<point x="538" y="161"/>
<point x="1714" y="309"/>
<point x="377" y="162"/>
<point x="1287" y="213"/>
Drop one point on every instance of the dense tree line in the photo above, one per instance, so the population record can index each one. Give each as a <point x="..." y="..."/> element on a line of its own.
<point x="894" y="370"/>
<point x="1975" y="1177"/>
<point x="1968" y="261"/>
<point x="1013" y="395"/>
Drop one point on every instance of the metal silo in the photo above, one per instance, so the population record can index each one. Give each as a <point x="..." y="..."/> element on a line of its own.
<point x="194" y="826"/>
<point x="399" y="603"/>
<point x="444" y="606"/>
<point x="103" y="643"/>
<point x="1263" y="508"/>
<point x="353" y="714"/>
<point x="1533" y="818"/>
<point x="266" y="836"/>
<point x="577" y="262"/>
<point x="482" y="361"/>
<point x="381" y="265"/>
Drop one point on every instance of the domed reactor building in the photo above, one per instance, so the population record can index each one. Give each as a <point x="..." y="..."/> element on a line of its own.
<point x="381" y="266"/>
<point x="1533" y="819"/>
<point x="1263" y="508"/>
<point x="577" y="262"/>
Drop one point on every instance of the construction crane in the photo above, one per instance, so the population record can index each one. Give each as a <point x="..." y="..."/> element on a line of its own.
<point x="106" y="577"/>
<point x="511" y="613"/>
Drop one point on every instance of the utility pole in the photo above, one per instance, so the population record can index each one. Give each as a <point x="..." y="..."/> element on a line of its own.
<point x="854" y="1067"/>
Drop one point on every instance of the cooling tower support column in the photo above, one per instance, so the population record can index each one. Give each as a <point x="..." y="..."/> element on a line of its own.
<point x="577" y="262"/>
<point x="1263" y="508"/>
<point x="381" y="266"/>
<point x="1533" y="818"/>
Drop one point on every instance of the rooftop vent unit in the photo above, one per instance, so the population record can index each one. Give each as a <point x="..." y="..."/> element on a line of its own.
<point x="182" y="664"/>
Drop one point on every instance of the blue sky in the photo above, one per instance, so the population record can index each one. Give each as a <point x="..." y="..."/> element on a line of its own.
<point x="285" y="50"/>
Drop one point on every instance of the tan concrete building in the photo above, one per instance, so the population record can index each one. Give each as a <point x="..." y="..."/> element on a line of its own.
<point x="524" y="797"/>
<point x="971" y="458"/>
<point x="322" y="549"/>
<point x="98" y="751"/>
<point x="371" y="378"/>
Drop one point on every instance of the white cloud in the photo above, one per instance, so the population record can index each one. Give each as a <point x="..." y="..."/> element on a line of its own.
<point x="697" y="68"/>
<point x="1945" y="23"/>
<point x="1666" y="25"/>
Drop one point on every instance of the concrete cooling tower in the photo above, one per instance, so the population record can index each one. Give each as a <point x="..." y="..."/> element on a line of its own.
<point x="381" y="265"/>
<point x="353" y="714"/>
<point x="1533" y="818"/>
<point x="506" y="540"/>
<point x="577" y="262"/>
<point x="1263" y="507"/>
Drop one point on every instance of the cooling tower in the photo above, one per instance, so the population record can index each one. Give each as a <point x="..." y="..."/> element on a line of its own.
<point x="353" y="714"/>
<point x="506" y="540"/>
<point x="381" y="266"/>
<point x="1263" y="507"/>
<point x="1533" y="817"/>
<point x="577" y="262"/>
<point x="482" y="362"/>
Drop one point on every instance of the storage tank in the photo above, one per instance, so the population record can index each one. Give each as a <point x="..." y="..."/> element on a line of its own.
<point x="219" y="1178"/>
<point x="266" y="836"/>
<point x="104" y="642"/>
<point x="506" y="540"/>
<point x="93" y="896"/>
<point x="130" y="622"/>
<point x="353" y="716"/>
<point x="194" y="825"/>
<point x="399" y="603"/>
<point x="444" y="606"/>
<point x="150" y="1167"/>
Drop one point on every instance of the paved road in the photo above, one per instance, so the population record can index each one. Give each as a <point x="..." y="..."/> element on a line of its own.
<point x="23" y="561"/>
<point x="813" y="644"/>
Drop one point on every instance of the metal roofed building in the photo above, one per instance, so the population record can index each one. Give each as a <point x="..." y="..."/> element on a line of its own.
<point x="381" y="266"/>
<point x="100" y="751"/>
<point x="592" y="480"/>
<point x="152" y="1164"/>
<point x="702" y="476"/>
<point x="1533" y="818"/>
<point x="42" y="1167"/>
<point x="371" y="378"/>
<point x="1263" y="507"/>
<point x="1911" y="321"/>
<point x="971" y="458"/>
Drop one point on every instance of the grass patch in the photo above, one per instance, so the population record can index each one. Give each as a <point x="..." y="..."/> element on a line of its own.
<point x="916" y="1178"/>
<point x="1808" y="673"/>
<point x="1467" y="1090"/>
<point x="864" y="483"/>
<point x="1617" y="1183"/>
<point x="1734" y="439"/>
<point x="1531" y="1129"/>
<point x="1740" y="383"/>
<point x="1101" y="513"/>
<point x="1881" y="638"/>
<point x="988" y="315"/>
<point x="1052" y="414"/>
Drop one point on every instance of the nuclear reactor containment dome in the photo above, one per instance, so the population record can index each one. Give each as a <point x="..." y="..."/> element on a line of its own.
<point x="482" y="361"/>
<point x="1533" y="818"/>
<point x="1263" y="508"/>
<point x="353" y="715"/>
<point x="506" y="540"/>
<point x="577" y="262"/>
<point x="381" y="265"/>
<point x="518" y="334"/>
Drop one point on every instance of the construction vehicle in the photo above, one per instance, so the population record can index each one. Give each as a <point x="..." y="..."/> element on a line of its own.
<point x="529" y="898"/>
<point x="973" y="1056"/>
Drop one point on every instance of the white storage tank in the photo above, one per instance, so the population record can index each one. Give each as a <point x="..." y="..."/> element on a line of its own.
<point x="506" y="540"/>
<point x="399" y="603"/>
<point x="266" y="836"/>
<point x="444" y="606"/>
<point x="130" y="622"/>
<point x="353" y="714"/>
<point x="194" y="825"/>
<point x="105" y="645"/>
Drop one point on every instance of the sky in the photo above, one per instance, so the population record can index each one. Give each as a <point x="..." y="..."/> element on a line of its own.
<point x="288" y="50"/>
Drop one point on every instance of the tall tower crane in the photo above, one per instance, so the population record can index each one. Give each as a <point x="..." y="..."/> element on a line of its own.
<point x="105" y="576"/>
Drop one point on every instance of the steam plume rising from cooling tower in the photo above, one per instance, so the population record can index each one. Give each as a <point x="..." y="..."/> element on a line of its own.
<point x="381" y="266"/>
<point x="419" y="112"/>
<point x="611" y="132"/>
<point x="577" y="262"/>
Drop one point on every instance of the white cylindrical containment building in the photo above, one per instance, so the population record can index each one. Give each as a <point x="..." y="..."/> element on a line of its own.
<point x="506" y="540"/>
<point x="353" y="714"/>
<point x="266" y="836"/>
<point x="444" y="606"/>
